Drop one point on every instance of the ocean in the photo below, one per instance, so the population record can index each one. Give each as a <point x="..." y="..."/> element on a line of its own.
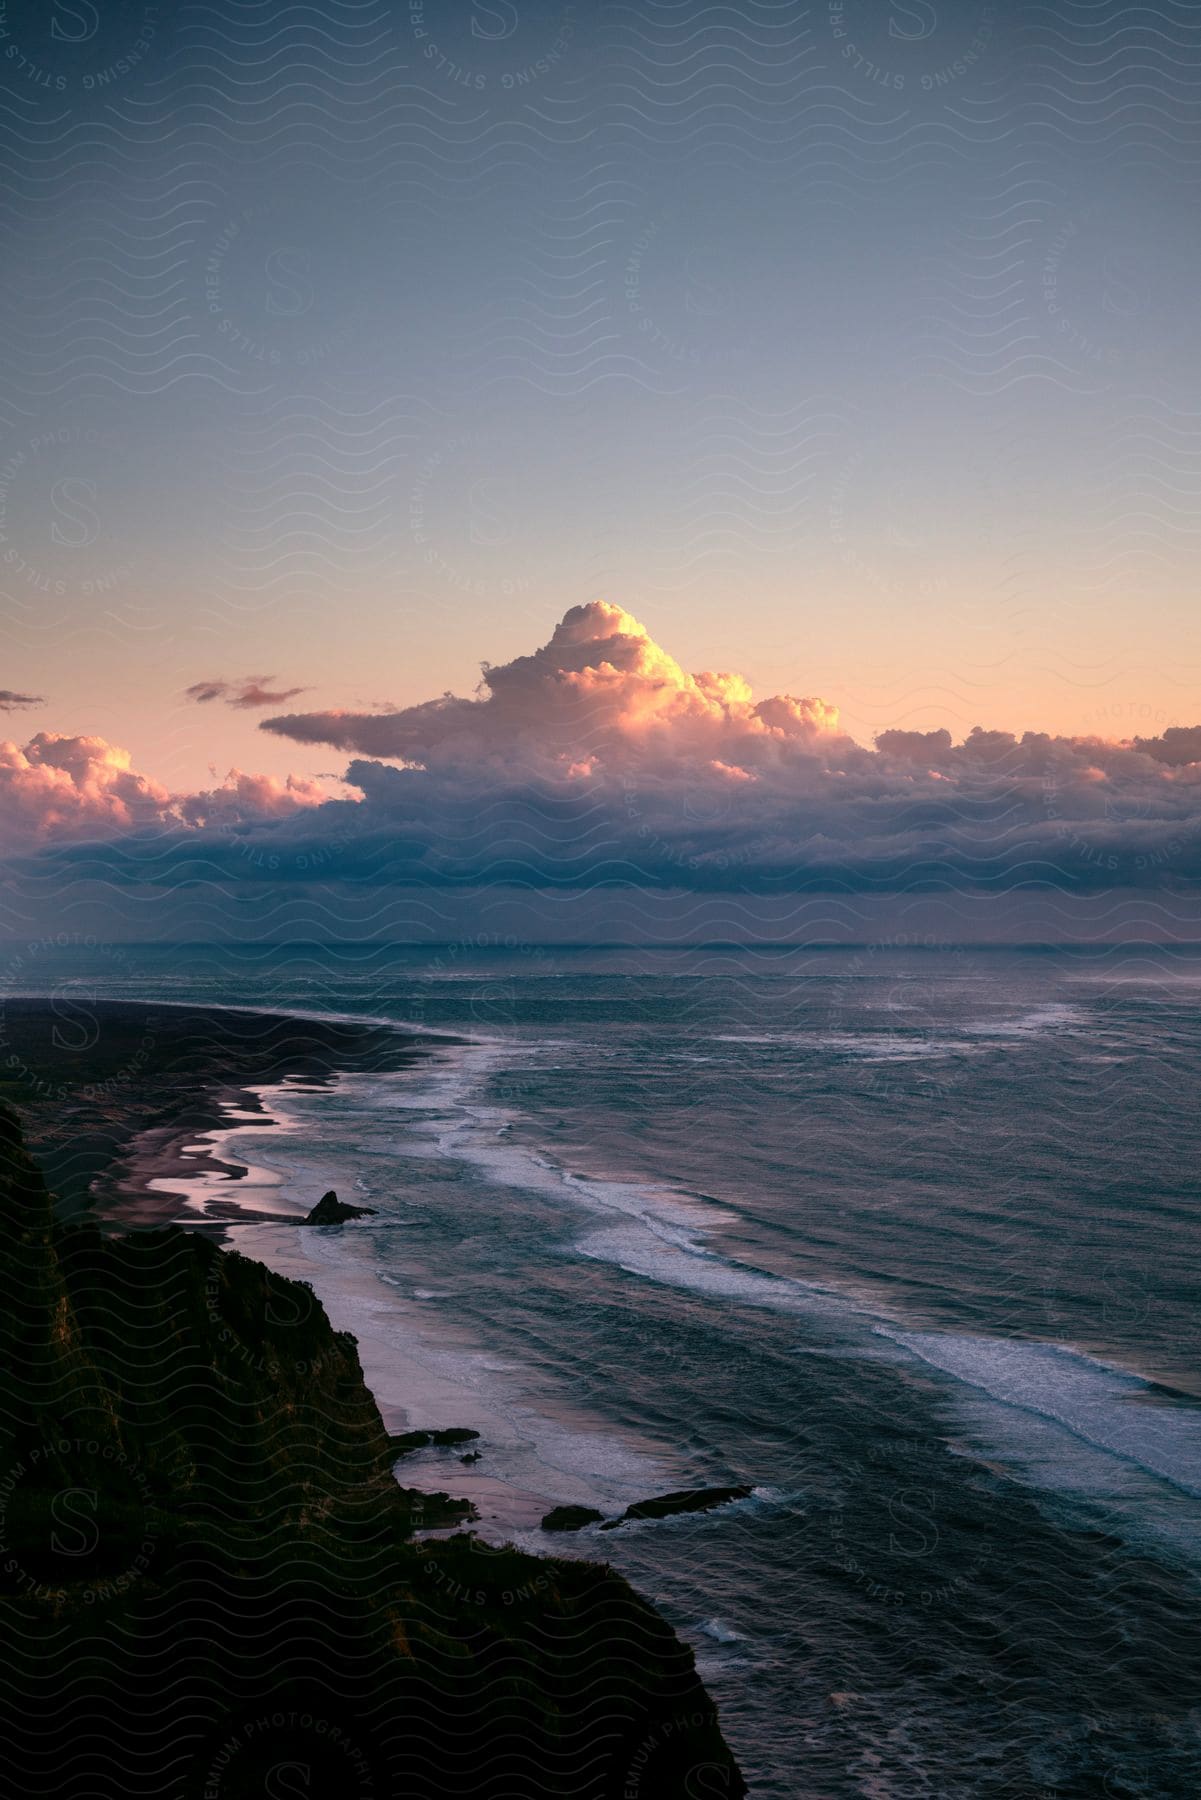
<point x="904" y="1237"/>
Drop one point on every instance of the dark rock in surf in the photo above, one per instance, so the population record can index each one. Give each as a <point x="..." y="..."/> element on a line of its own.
<point x="329" y="1210"/>
<point x="570" y="1518"/>
<point x="402" y="1442"/>
<point x="687" y="1500"/>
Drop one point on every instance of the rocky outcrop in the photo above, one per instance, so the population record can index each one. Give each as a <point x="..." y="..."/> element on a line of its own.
<point x="686" y="1500"/>
<point x="570" y="1518"/>
<point x="664" y="1506"/>
<point x="402" y="1443"/>
<point x="209" y="1574"/>
<point x="329" y="1210"/>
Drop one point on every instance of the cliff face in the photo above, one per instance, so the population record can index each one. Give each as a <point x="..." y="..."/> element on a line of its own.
<point x="209" y="1582"/>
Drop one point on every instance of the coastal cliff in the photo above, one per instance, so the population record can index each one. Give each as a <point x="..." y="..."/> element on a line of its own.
<point x="211" y="1584"/>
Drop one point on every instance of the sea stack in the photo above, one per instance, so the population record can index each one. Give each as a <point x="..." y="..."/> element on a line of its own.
<point x="329" y="1210"/>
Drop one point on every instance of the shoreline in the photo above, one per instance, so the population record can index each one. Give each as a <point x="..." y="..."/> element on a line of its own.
<point x="416" y="1396"/>
<point x="175" y="1171"/>
<point x="178" y="1173"/>
<point x="176" y="1153"/>
<point x="507" y="1507"/>
<point x="524" y="1473"/>
<point x="239" y="1473"/>
<point x="114" y="1092"/>
<point x="161" y="1165"/>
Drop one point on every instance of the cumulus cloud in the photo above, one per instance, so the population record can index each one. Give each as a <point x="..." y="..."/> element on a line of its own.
<point x="57" y="787"/>
<point x="600" y="695"/>
<point x="597" y="758"/>
<point x="241" y="798"/>
<point x="915" y="746"/>
<point x="10" y="702"/>
<point x="251" y="692"/>
<point x="1179" y="744"/>
<point x="597" y="762"/>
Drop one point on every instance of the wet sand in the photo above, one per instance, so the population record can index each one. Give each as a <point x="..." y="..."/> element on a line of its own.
<point x="120" y="1097"/>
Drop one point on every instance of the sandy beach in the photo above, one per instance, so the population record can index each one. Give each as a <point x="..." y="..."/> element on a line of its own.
<point x="127" y="1099"/>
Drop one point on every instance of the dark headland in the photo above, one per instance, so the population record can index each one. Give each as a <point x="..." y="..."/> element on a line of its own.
<point x="211" y="1583"/>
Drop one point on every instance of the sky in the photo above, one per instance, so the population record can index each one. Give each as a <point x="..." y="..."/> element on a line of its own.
<point x="848" y="349"/>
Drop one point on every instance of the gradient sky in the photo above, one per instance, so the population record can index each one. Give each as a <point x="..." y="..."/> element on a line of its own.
<point x="851" y="346"/>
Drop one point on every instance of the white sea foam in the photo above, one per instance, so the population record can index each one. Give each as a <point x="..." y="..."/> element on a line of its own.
<point x="1098" y="1404"/>
<point x="1038" y="1021"/>
<point x="414" y="1351"/>
<point x="719" y="1632"/>
<point x="911" y="1044"/>
<point x="865" y="1046"/>
<point x="664" y="1236"/>
<point x="1079" y="1413"/>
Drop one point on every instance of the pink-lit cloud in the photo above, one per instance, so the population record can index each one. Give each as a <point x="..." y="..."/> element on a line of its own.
<point x="598" y="761"/>
<point x="247" y="694"/>
<point x="57" y="786"/>
<point x="240" y="798"/>
<point x="599" y="757"/>
<point x="600" y="694"/>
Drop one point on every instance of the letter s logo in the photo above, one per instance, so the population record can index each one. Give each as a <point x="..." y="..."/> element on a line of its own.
<point x="70" y="499"/>
<point x="491" y="521"/>
<point x="288" y="1780"/>
<point x="1126" y="295"/>
<point x="920" y="13"/>
<point x="75" y="1509"/>
<point x="502" y="14"/>
<point x="291" y="293"/>
<point x="705" y="297"/>
<point x="82" y="1028"/>
<point x="495" y="1003"/>
<point x="912" y="1509"/>
<point x="707" y="1782"/>
<point x="83" y="15"/>
<point x="902" y="510"/>
<point x="284" y="1305"/>
<point x="1125" y="1299"/>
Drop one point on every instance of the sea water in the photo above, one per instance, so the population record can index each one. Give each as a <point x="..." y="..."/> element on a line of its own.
<point x="904" y="1239"/>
